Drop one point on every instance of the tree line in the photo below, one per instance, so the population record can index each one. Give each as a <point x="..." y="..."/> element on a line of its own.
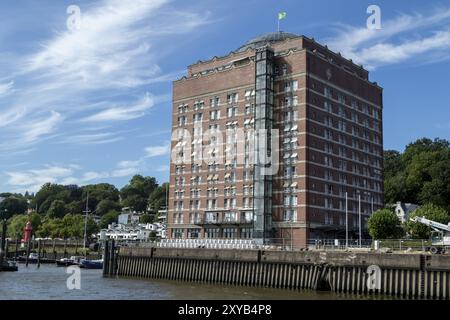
<point x="419" y="175"/>
<point x="57" y="210"/>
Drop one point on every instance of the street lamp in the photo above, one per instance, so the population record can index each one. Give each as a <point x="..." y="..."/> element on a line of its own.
<point x="359" y="216"/>
<point x="346" y="220"/>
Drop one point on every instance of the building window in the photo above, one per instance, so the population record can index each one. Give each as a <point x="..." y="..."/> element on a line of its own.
<point x="229" y="217"/>
<point x="214" y="115"/>
<point x="232" y="97"/>
<point x="182" y="120"/>
<point x="194" y="233"/>
<point x="290" y="215"/>
<point x="198" y="105"/>
<point x="229" y="233"/>
<point x="178" y="233"/>
<point x="246" y="233"/>
<point x="231" y="112"/>
<point x="290" y="86"/>
<point x="212" y="233"/>
<point x="214" y="102"/>
<point x="198" y="117"/>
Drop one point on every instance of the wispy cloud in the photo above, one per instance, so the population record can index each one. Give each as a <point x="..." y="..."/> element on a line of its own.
<point x="6" y="88"/>
<point x="32" y="179"/>
<point x="156" y="151"/>
<point x="91" y="73"/>
<point x="400" y="39"/>
<point x="134" y="111"/>
<point x="94" y="138"/>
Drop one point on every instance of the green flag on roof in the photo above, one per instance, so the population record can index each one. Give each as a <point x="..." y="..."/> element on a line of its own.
<point x="281" y="15"/>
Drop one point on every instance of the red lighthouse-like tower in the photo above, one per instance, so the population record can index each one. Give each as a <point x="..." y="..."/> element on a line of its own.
<point x="27" y="232"/>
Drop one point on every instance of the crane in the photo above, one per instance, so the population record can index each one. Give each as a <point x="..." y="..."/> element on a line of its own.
<point x="440" y="236"/>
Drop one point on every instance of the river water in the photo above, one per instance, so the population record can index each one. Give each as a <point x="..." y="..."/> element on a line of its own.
<point x="50" y="282"/>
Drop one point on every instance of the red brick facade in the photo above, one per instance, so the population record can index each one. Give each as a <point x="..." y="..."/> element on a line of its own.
<point x="329" y="117"/>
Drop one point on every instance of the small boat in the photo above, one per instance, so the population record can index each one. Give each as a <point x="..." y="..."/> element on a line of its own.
<point x="9" y="266"/>
<point x="72" y="261"/>
<point x="91" y="264"/>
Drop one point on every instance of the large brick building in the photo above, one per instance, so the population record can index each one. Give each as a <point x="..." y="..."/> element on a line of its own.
<point x="323" y="121"/>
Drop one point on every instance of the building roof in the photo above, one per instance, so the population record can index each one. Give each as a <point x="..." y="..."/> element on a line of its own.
<point x="267" y="39"/>
<point x="407" y="207"/>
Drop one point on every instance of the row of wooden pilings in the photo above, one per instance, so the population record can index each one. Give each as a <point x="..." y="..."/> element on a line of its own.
<point x="216" y="269"/>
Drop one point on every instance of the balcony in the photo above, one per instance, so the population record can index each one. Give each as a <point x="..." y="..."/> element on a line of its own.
<point x="224" y="222"/>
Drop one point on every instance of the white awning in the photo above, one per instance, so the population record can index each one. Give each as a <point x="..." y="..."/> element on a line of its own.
<point x="252" y="121"/>
<point x="247" y="121"/>
<point x="294" y="184"/>
<point x="286" y="155"/>
<point x="286" y="184"/>
<point x="253" y="92"/>
<point x="248" y="93"/>
<point x="295" y="127"/>
<point x="227" y="175"/>
<point x="294" y="155"/>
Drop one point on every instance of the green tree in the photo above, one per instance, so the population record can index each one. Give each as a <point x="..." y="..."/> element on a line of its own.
<point x="421" y="174"/>
<point x="57" y="209"/>
<point x="106" y="206"/>
<point x="384" y="224"/>
<point x="47" y="194"/>
<point x="108" y="218"/>
<point x="146" y="218"/>
<point x="75" y="207"/>
<point x="12" y="206"/>
<point x="431" y="212"/>
<point x="99" y="192"/>
<point x="135" y="194"/>
<point x="157" y="198"/>
<point x="52" y="228"/>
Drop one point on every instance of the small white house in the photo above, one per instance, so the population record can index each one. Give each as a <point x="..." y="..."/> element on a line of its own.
<point x="404" y="210"/>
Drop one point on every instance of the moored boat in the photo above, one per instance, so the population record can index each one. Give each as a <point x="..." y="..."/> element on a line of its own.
<point x="72" y="261"/>
<point x="91" y="264"/>
<point x="9" y="266"/>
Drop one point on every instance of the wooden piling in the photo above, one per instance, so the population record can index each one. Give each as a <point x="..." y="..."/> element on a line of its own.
<point x="39" y="254"/>
<point x="28" y="251"/>
<point x="16" y="253"/>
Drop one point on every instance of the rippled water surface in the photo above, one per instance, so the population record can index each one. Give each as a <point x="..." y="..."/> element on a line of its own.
<point x="49" y="282"/>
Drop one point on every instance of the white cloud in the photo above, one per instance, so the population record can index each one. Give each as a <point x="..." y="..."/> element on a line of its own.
<point x="156" y="151"/>
<point x="94" y="138"/>
<point x="83" y="74"/>
<point x="32" y="180"/>
<point x="40" y="127"/>
<point x="6" y="88"/>
<point x="394" y="43"/>
<point x="123" y="113"/>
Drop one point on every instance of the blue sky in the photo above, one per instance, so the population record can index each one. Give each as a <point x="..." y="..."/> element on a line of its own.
<point x="93" y="105"/>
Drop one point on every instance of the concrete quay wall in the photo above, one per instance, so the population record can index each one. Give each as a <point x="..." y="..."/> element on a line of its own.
<point x="404" y="275"/>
